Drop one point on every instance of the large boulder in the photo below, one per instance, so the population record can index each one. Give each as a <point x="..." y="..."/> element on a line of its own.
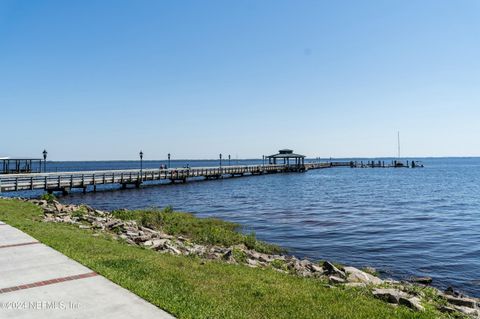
<point x="473" y="313"/>
<point x="158" y="244"/>
<point x="421" y="280"/>
<point x="462" y="302"/>
<point x="356" y="275"/>
<point x="265" y="258"/>
<point x="172" y="249"/>
<point x="114" y="223"/>
<point x="331" y="270"/>
<point x="315" y="268"/>
<point x="398" y="297"/>
<point x="412" y="303"/>
<point x="390" y="295"/>
<point x="336" y="280"/>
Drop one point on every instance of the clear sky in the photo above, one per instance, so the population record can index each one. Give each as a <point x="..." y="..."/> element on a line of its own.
<point x="104" y="79"/>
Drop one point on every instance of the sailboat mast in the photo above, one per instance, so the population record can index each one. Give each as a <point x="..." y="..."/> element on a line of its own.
<point x="398" y="138"/>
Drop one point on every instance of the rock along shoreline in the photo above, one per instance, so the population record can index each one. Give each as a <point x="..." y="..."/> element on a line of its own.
<point x="415" y="295"/>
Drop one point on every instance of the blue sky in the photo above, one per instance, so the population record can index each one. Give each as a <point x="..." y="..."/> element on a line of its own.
<point x="104" y="79"/>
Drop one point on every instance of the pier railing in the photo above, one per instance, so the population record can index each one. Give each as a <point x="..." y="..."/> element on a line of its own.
<point x="65" y="181"/>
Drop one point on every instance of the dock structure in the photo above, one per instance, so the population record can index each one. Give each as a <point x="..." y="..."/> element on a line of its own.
<point x="20" y="165"/>
<point x="23" y="177"/>
<point x="380" y="164"/>
<point x="286" y="155"/>
<point x="66" y="181"/>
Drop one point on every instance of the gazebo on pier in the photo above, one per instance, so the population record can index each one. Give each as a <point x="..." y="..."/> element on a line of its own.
<point x="284" y="156"/>
<point x="20" y="165"/>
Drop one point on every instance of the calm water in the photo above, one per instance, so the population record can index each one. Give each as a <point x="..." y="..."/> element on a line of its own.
<point x="404" y="222"/>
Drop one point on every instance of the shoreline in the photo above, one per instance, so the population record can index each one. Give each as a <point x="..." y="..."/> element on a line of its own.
<point x="391" y="291"/>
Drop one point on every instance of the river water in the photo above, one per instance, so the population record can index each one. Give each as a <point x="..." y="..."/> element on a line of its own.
<point x="404" y="222"/>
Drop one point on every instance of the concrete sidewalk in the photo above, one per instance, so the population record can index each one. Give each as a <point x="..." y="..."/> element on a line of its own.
<point x="39" y="282"/>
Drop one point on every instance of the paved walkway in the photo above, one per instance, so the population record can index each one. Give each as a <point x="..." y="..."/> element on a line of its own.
<point x="38" y="282"/>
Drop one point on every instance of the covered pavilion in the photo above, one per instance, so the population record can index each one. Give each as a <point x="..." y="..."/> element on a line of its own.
<point x="285" y="156"/>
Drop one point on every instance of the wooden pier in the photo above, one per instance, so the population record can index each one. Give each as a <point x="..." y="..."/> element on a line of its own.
<point x="380" y="164"/>
<point x="66" y="181"/>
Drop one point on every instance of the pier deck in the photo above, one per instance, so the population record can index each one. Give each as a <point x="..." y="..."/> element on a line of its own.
<point x="66" y="181"/>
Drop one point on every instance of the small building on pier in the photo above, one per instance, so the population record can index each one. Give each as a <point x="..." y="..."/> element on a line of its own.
<point x="20" y="165"/>
<point x="284" y="156"/>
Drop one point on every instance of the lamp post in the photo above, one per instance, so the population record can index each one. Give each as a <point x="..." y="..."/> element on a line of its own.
<point x="220" y="160"/>
<point x="45" y="160"/>
<point x="263" y="160"/>
<point x="141" y="164"/>
<point x="229" y="157"/>
<point x="168" y="155"/>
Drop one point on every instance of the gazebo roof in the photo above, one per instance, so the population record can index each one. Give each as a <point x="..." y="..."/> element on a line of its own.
<point x="286" y="153"/>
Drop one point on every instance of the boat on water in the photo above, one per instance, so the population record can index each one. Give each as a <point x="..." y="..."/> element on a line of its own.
<point x="408" y="164"/>
<point x="399" y="164"/>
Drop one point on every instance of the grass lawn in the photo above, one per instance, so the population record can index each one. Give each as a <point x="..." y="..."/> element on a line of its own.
<point x="189" y="287"/>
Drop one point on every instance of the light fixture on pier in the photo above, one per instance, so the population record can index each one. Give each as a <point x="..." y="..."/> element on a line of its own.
<point x="44" y="160"/>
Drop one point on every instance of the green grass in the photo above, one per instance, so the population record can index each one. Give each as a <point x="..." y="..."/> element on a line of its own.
<point x="279" y="264"/>
<point x="192" y="288"/>
<point x="48" y="197"/>
<point x="210" y="231"/>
